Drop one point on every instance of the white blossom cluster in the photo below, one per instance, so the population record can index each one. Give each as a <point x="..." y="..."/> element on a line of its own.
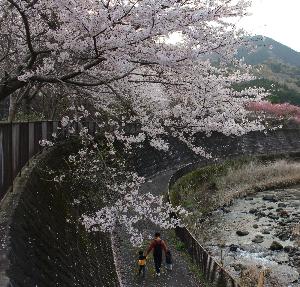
<point x="45" y="143"/>
<point x="119" y="190"/>
<point x="119" y="57"/>
<point x="132" y="207"/>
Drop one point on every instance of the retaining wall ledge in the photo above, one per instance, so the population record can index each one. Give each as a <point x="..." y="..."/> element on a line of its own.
<point x="8" y="206"/>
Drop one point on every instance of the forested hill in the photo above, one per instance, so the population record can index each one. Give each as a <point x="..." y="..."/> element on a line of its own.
<point x="279" y="70"/>
<point x="270" y="50"/>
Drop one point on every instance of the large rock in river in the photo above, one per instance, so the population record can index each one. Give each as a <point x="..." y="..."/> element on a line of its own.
<point x="242" y="232"/>
<point x="271" y="198"/>
<point x="258" y="239"/>
<point x="276" y="246"/>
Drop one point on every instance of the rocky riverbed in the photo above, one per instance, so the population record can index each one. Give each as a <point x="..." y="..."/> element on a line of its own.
<point x="259" y="232"/>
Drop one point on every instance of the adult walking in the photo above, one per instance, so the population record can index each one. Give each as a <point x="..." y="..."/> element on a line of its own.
<point x="157" y="245"/>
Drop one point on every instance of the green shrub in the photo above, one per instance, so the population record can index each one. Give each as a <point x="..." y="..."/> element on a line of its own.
<point x="180" y="246"/>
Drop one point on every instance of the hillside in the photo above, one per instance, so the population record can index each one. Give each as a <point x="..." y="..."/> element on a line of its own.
<point x="269" y="50"/>
<point x="277" y="68"/>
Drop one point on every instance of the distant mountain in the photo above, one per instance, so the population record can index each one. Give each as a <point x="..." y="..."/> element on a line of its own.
<point x="279" y="69"/>
<point x="270" y="50"/>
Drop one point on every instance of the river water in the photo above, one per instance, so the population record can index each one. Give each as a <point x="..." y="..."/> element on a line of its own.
<point x="261" y="219"/>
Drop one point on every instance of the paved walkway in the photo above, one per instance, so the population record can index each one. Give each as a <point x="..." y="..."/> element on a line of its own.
<point x="181" y="276"/>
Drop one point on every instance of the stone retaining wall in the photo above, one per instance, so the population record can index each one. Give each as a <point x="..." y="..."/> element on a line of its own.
<point x="41" y="242"/>
<point x="149" y="161"/>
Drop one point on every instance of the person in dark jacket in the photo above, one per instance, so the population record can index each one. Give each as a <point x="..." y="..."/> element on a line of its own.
<point x="157" y="246"/>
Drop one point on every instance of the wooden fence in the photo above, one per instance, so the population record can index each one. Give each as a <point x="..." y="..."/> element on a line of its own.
<point x="213" y="272"/>
<point x="20" y="141"/>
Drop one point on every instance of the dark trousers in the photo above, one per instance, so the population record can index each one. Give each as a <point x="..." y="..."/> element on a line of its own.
<point x="157" y="263"/>
<point x="142" y="268"/>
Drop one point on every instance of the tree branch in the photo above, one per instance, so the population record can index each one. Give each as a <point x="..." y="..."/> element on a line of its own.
<point x="156" y="82"/>
<point x="27" y="32"/>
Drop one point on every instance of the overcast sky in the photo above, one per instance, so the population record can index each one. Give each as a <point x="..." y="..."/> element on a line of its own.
<point x="277" y="19"/>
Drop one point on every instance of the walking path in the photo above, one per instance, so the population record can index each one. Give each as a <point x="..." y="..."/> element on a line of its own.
<point x="126" y="255"/>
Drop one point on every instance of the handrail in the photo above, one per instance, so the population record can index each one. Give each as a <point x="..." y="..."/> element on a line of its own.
<point x="214" y="272"/>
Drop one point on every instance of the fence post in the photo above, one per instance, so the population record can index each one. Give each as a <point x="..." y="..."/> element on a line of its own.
<point x="44" y="130"/>
<point x="49" y="130"/>
<point x="209" y="268"/>
<point x="55" y="126"/>
<point x="23" y="144"/>
<point x="222" y="282"/>
<point x="214" y="272"/>
<point x="1" y="163"/>
<point x="14" y="145"/>
<point x="30" y="139"/>
<point x="38" y="134"/>
<point x="11" y="156"/>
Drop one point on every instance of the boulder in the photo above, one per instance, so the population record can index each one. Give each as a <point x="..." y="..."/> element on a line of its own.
<point x="253" y="211"/>
<point x="284" y="236"/>
<point x="270" y="198"/>
<point x="284" y="213"/>
<point x="242" y="232"/>
<point x="238" y="267"/>
<point x="289" y="249"/>
<point x="233" y="247"/>
<point x="258" y="239"/>
<point x="276" y="246"/>
<point x="273" y="216"/>
<point x="261" y="214"/>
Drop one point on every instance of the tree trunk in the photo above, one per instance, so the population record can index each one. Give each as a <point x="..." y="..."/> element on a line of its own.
<point x="12" y="108"/>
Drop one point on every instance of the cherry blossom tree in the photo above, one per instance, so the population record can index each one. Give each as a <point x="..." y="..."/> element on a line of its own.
<point x="280" y="111"/>
<point x="97" y="43"/>
<point x="121" y="57"/>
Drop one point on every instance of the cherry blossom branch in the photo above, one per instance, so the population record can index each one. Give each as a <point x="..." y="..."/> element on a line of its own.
<point x="27" y="32"/>
<point x="156" y="82"/>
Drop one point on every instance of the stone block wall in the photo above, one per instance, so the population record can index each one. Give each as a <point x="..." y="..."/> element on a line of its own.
<point x="149" y="161"/>
<point x="42" y="242"/>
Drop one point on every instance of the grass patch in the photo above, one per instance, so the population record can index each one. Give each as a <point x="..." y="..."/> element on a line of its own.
<point x="180" y="246"/>
<point x="206" y="189"/>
